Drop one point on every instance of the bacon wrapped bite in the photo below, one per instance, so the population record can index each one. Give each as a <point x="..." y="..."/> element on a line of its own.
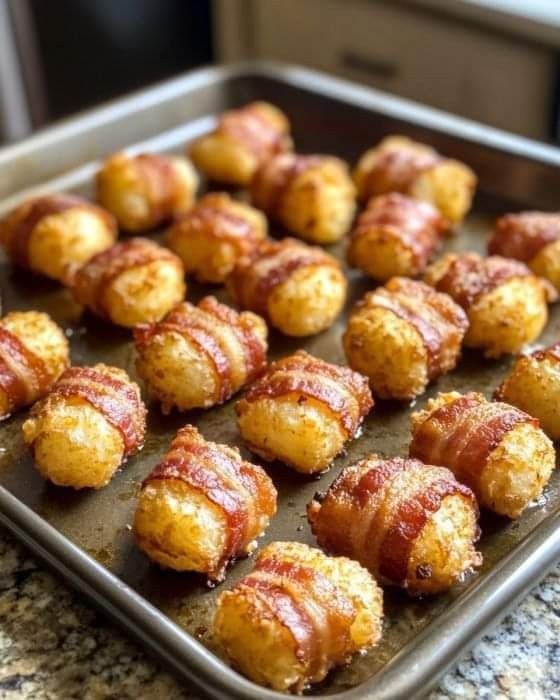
<point x="395" y="235"/>
<point x="411" y="524"/>
<point x="311" y="196"/>
<point x="215" y="234"/>
<point x="302" y="411"/>
<point x="199" y="356"/>
<point x="533" y="385"/>
<point x="202" y="506"/>
<point x="89" y="424"/>
<point x="135" y="281"/>
<point x="403" y="336"/>
<point x="298" y="614"/>
<point x="53" y="235"/>
<point x="299" y="289"/>
<point x="146" y="190"/>
<point x="33" y="355"/>
<point x="506" y="304"/>
<point x="499" y="451"/>
<point x="398" y="164"/>
<point x="532" y="237"/>
<point x="244" y="139"/>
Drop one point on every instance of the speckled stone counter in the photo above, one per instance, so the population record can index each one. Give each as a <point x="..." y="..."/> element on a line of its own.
<point x="54" y="647"/>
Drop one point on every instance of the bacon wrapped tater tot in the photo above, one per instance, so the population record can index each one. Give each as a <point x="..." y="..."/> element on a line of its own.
<point x="53" y="235"/>
<point x="134" y="281"/>
<point x="398" y="164"/>
<point x="89" y="424"/>
<point x="146" y="190"/>
<point x="499" y="451"/>
<point x="411" y="524"/>
<point x="311" y="196"/>
<point x="395" y="235"/>
<point x="403" y="336"/>
<point x="532" y="237"/>
<point x="33" y="355"/>
<point x="506" y="304"/>
<point x="298" y="614"/>
<point x="244" y="139"/>
<point x="299" y="289"/>
<point x="215" y="234"/>
<point x="199" y="356"/>
<point x="533" y="385"/>
<point x="202" y="506"/>
<point x="302" y="411"/>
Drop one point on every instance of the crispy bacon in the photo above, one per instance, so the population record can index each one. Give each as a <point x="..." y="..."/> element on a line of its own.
<point x="552" y="352"/>
<point x="396" y="167"/>
<point x="522" y="236"/>
<point x="23" y="375"/>
<point x="250" y="126"/>
<point x="160" y="181"/>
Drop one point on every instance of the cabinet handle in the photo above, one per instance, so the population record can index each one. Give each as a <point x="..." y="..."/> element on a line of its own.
<point x="378" y="67"/>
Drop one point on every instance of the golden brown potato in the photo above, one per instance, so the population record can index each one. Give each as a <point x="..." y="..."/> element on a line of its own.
<point x="146" y="190"/>
<point x="534" y="386"/>
<point x="499" y="451"/>
<point x="89" y="424"/>
<point x="411" y="524"/>
<point x="398" y="164"/>
<point x="202" y="506"/>
<point x="302" y="411"/>
<point x="532" y="237"/>
<point x="312" y="196"/>
<point x="215" y="234"/>
<point x="135" y="281"/>
<point x="55" y="234"/>
<point x="199" y="356"/>
<point x="403" y="336"/>
<point x="242" y="141"/>
<point x="296" y="615"/>
<point x="299" y="289"/>
<point x="395" y="235"/>
<point x="506" y="304"/>
<point x="33" y="354"/>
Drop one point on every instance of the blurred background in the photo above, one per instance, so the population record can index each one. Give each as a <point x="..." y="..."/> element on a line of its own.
<point x="497" y="61"/>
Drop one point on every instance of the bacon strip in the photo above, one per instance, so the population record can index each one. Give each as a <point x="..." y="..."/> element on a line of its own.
<point x="23" y="374"/>
<point x="160" y="179"/>
<point x="552" y="352"/>
<point x="396" y="167"/>
<point x="250" y="126"/>
<point x="522" y="236"/>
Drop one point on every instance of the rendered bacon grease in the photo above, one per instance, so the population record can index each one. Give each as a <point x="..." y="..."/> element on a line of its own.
<point x="55" y="234"/>
<point x="403" y="336"/>
<point x="199" y="356"/>
<point x="395" y="235"/>
<point x="33" y="355"/>
<point x="298" y="614"/>
<point x="496" y="449"/>
<point x="302" y="411"/>
<point x="202" y="506"/>
<point x="311" y="196"/>
<point x="243" y="140"/>
<point x="87" y="426"/>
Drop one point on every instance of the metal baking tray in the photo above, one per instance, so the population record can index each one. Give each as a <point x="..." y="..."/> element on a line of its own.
<point x="86" y="536"/>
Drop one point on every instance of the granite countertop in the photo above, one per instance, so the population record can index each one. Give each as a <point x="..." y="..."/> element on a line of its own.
<point x="53" y="646"/>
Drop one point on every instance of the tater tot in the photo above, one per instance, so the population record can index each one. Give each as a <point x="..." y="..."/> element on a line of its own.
<point x="499" y="451"/>
<point x="403" y="336"/>
<point x="199" y="356"/>
<point x="506" y="304"/>
<point x="53" y="235"/>
<point x="300" y="290"/>
<point x="411" y="524"/>
<point x="135" y="281"/>
<point x="311" y="196"/>
<point x="395" y="235"/>
<point x="532" y="237"/>
<point x="398" y="164"/>
<point x="533" y="385"/>
<point x="86" y="427"/>
<point x="214" y="235"/>
<point x="243" y="140"/>
<point x="298" y="614"/>
<point x="202" y="506"/>
<point x="146" y="190"/>
<point x="33" y="354"/>
<point x="302" y="411"/>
